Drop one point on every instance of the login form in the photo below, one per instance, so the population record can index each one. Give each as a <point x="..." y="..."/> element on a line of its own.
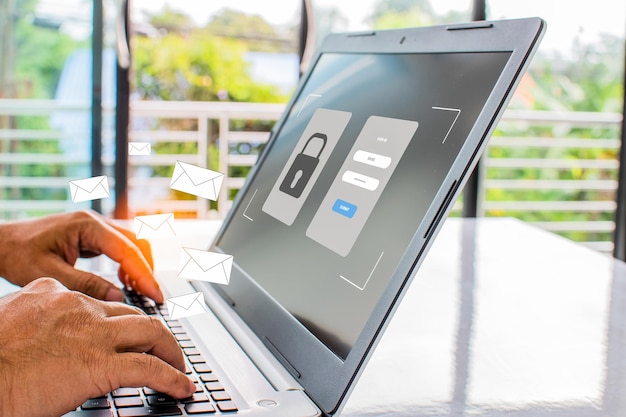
<point x="360" y="182"/>
<point x="305" y="164"/>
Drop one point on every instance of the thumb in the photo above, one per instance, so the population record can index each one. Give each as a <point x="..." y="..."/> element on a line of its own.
<point x="86" y="282"/>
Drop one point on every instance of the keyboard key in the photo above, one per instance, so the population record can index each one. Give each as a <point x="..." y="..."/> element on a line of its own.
<point x="173" y="323"/>
<point x="165" y="410"/>
<point x="226" y="406"/>
<point x="220" y="395"/>
<point x="196" y="398"/>
<point x="95" y="403"/>
<point x="198" y="387"/>
<point x="202" y="368"/>
<point x="128" y="402"/>
<point x="150" y="391"/>
<point x="177" y="330"/>
<point x="199" y="408"/>
<point x="191" y="351"/>
<point x="161" y="399"/>
<point x="125" y="392"/>
<point x="186" y="344"/>
<point x="182" y="336"/>
<point x="214" y="386"/>
<point x="210" y="377"/>
<point x="195" y="359"/>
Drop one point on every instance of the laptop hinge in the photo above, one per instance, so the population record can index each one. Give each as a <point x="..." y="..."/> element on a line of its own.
<point x="272" y="369"/>
<point x="281" y="358"/>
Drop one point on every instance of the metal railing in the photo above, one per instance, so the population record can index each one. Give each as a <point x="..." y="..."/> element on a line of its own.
<point x="211" y="127"/>
<point x="557" y="170"/>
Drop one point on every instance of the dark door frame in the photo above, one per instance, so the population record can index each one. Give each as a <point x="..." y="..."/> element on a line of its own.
<point x="619" y="237"/>
<point x="97" y="38"/>
<point x="122" y="111"/>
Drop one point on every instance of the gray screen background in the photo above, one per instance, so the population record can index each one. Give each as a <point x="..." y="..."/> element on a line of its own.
<point x="299" y="273"/>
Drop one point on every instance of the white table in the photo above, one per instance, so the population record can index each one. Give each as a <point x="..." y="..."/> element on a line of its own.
<point x="503" y="319"/>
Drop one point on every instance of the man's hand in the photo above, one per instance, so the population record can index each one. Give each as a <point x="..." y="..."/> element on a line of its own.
<point x="50" y="246"/>
<point x="60" y="347"/>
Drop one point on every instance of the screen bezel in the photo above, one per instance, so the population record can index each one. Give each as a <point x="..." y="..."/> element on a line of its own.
<point x="327" y="378"/>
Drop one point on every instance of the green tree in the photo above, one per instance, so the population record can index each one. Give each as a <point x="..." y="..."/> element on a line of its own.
<point x="40" y="51"/>
<point x="196" y="67"/>
<point x="170" y="20"/>
<point x="384" y="7"/>
<point x="255" y="31"/>
<point x="392" y="14"/>
<point x="588" y="77"/>
<point x="200" y="65"/>
<point x="40" y="54"/>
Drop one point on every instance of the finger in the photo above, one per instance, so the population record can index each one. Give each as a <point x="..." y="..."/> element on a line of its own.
<point x="137" y="286"/>
<point x="85" y="282"/>
<point x="145" y="370"/>
<point x="99" y="236"/>
<point x="123" y="277"/>
<point x="143" y="244"/>
<point x="147" y="334"/>
<point x="120" y="309"/>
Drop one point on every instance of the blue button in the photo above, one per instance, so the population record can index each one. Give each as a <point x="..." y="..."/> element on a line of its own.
<point x="344" y="208"/>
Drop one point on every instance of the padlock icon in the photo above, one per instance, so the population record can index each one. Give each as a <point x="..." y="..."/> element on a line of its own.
<point x="302" y="169"/>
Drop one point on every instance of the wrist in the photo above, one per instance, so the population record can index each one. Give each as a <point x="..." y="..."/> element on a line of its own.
<point x="6" y="236"/>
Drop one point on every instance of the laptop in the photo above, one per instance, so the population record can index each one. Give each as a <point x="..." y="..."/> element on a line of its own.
<point x="336" y="217"/>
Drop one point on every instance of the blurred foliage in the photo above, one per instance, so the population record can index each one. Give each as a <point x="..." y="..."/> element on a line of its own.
<point x="257" y="34"/>
<point x="188" y="63"/>
<point x="588" y="77"/>
<point x="394" y="14"/>
<point x="195" y="67"/>
<point x="40" y="53"/>
<point x="170" y="20"/>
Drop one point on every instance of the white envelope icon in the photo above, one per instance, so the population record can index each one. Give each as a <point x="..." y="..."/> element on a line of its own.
<point x="186" y="305"/>
<point x="155" y="225"/>
<point x="195" y="180"/>
<point x="205" y="266"/>
<point x="89" y="189"/>
<point x="139" y="148"/>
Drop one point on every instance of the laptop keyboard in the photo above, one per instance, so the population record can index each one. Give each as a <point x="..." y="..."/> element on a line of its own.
<point x="210" y="398"/>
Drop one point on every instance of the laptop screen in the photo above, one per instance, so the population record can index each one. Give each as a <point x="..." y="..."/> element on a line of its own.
<point x="349" y="178"/>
